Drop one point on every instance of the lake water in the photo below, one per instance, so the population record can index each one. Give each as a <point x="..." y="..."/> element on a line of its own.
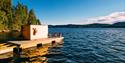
<point x="90" y="45"/>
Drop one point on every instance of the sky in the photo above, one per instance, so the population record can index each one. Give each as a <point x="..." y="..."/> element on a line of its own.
<point x="58" y="12"/>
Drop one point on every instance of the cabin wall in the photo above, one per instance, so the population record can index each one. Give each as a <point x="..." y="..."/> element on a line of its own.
<point x="38" y="31"/>
<point x="26" y="32"/>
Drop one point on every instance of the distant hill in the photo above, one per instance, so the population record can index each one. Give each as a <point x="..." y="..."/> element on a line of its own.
<point x="119" y="24"/>
<point x="95" y="25"/>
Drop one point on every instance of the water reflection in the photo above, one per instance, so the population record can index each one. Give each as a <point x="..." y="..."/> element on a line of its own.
<point x="34" y="54"/>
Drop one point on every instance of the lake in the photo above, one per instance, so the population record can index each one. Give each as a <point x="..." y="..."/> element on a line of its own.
<point x="81" y="45"/>
<point x="90" y="45"/>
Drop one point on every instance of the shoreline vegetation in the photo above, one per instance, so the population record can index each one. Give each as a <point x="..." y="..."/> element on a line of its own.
<point x="13" y="17"/>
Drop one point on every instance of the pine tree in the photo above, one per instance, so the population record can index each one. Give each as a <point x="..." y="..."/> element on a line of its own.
<point x="32" y="19"/>
<point x="13" y="18"/>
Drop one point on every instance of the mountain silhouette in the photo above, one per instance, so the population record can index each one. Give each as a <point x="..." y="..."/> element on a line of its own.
<point x="94" y="25"/>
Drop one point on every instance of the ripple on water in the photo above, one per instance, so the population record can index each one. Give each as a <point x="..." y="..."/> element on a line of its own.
<point x="92" y="45"/>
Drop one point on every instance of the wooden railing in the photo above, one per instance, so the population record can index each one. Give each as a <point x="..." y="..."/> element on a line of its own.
<point x="53" y="35"/>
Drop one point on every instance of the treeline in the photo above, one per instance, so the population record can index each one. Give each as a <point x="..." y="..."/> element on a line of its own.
<point x="94" y="25"/>
<point x="13" y="17"/>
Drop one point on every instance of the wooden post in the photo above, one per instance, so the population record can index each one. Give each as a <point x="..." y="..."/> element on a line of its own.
<point x="16" y="54"/>
<point x="53" y="43"/>
<point x="39" y="45"/>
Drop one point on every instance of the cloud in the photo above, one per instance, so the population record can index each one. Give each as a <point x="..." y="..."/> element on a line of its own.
<point x="109" y="19"/>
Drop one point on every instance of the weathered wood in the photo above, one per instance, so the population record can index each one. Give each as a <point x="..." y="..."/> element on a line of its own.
<point x="31" y="43"/>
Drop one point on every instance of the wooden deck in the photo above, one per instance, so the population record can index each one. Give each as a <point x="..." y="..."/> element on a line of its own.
<point x="30" y="43"/>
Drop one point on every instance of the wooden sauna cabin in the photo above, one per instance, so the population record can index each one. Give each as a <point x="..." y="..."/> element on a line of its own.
<point x="31" y="32"/>
<point x="37" y="34"/>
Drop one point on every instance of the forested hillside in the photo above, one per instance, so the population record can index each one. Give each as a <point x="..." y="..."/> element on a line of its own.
<point x="13" y="17"/>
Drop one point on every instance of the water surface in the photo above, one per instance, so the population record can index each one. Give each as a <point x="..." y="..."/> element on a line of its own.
<point x="90" y="45"/>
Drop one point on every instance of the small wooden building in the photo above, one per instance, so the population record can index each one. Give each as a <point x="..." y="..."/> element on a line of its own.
<point x="30" y="32"/>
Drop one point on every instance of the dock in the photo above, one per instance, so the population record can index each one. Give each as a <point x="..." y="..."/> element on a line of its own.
<point x="30" y="43"/>
<point x="32" y="36"/>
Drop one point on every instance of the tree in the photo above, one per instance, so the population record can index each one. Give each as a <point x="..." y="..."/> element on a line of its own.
<point x="13" y="17"/>
<point x="3" y="20"/>
<point x="38" y="22"/>
<point x="32" y="18"/>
